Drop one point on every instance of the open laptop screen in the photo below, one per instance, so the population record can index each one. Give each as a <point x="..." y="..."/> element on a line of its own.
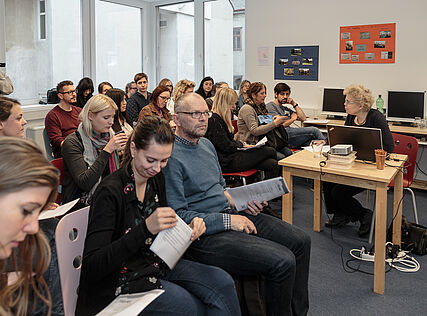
<point x="364" y="139"/>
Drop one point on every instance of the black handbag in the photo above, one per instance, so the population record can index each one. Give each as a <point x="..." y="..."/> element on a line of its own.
<point x="414" y="237"/>
<point x="277" y="138"/>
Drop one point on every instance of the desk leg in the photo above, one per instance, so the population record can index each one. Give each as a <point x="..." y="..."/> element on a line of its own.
<point x="380" y="234"/>
<point x="287" y="198"/>
<point x="397" y="208"/>
<point x="317" y="216"/>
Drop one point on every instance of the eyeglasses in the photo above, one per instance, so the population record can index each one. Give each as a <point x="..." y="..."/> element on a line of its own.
<point x="197" y="115"/>
<point x="348" y="102"/>
<point x="164" y="98"/>
<point x="133" y="88"/>
<point x="68" y="92"/>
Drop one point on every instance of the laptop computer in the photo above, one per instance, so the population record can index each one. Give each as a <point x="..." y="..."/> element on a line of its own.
<point x="364" y="139"/>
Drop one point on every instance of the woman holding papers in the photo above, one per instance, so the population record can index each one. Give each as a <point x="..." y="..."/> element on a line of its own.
<point x="230" y="154"/>
<point x="254" y="122"/>
<point x="339" y="198"/>
<point x="28" y="182"/>
<point x="129" y="209"/>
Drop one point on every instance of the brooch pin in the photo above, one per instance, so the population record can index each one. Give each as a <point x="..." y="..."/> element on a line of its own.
<point x="128" y="188"/>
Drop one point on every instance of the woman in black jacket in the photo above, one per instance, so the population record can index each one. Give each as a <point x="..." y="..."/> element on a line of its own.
<point x="230" y="154"/>
<point x="129" y="208"/>
<point x="84" y="91"/>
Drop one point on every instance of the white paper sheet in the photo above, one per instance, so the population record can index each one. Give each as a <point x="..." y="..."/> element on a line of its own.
<point x="130" y="304"/>
<point x="325" y="148"/>
<point x="257" y="145"/>
<point x="59" y="211"/>
<point x="316" y="121"/>
<point x="170" y="244"/>
<point x="259" y="191"/>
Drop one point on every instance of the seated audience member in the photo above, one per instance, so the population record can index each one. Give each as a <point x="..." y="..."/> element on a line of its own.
<point x="297" y="136"/>
<point x="63" y="119"/>
<point x="218" y="86"/>
<point x="129" y="208"/>
<point x="220" y="133"/>
<point x="12" y="121"/>
<point x="182" y="87"/>
<point x="130" y="89"/>
<point x="243" y="95"/>
<point x="242" y="243"/>
<point x="339" y="198"/>
<point x="250" y="116"/>
<point x="84" y="91"/>
<point x="157" y="106"/>
<point x="140" y="98"/>
<point x="104" y="86"/>
<point x="168" y="84"/>
<point x="121" y="120"/>
<point x="206" y="87"/>
<point x="28" y="182"/>
<point x="90" y="153"/>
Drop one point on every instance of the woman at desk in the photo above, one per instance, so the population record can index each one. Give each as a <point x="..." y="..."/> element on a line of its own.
<point x="339" y="198"/>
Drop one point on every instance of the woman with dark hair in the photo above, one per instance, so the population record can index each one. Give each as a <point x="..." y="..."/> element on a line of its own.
<point x="254" y="122"/>
<point x="104" y="86"/>
<point x="157" y="106"/>
<point x="12" y="121"/>
<point x="129" y="209"/>
<point x="121" y="120"/>
<point x="220" y="133"/>
<point x="206" y="87"/>
<point x="84" y="91"/>
<point x="28" y="182"/>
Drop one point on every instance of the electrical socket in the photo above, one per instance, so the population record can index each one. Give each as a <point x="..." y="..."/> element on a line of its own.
<point x="366" y="256"/>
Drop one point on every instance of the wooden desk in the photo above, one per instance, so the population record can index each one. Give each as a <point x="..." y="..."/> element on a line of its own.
<point x="303" y="164"/>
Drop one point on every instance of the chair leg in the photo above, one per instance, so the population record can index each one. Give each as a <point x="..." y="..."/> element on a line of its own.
<point x="371" y="232"/>
<point x="244" y="180"/>
<point x="414" y="204"/>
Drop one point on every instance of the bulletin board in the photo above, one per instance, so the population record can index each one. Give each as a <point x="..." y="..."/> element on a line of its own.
<point x="368" y="44"/>
<point x="296" y="63"/>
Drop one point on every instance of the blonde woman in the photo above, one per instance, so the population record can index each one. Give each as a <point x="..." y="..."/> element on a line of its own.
<point x="90" y="153"/>
<point x="243" y="95"/>
<point x="220" y="133"/>
<point x="28" y="182"/>
<point x="182" y="87"/>
<point x="339" y="198"/>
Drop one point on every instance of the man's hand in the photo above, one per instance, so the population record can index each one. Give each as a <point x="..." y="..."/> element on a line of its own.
<point x="255" y="207"/>
<point x="198" y="226"/>
<point x="291" y="101"/>
<point x="242" y="224"/>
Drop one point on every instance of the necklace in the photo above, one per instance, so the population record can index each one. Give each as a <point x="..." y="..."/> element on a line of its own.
<point x="361" y="123"/>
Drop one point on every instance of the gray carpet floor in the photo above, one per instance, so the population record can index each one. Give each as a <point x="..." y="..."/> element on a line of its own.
<point x="333" y="291"/>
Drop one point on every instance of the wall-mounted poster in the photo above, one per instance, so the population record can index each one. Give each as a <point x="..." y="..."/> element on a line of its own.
<point x="368" y="44"/>
<point x="296" y="63"/>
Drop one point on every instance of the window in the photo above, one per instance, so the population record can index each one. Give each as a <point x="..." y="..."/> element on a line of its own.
<point x="176" y="42"/>
<point x="237" y="39"/>
<point x="237" y="80"/>
<point x="218" y="20"/>
<point x="118" y="43"/>
<point x="36" y="66"/>
<point x="42" y="21"/>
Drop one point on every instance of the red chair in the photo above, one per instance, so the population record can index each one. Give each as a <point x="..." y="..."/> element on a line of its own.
<point x="407" y="145"/>
<point x="59" y="164"/>
<point x="234" y="122"/>
<point x="242" y="174"/>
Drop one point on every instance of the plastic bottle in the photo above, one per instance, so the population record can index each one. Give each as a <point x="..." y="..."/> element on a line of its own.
<point x="380" y="104"/>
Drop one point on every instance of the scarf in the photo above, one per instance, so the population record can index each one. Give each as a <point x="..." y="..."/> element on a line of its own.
<point x="260" y="109"/>
<point x="91" y="148"/>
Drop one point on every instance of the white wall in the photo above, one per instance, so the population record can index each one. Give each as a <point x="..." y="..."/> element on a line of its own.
<point x="286" y="23"/>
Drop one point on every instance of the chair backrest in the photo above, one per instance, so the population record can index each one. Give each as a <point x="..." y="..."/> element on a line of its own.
<point x="407" y="145"/>
<point x="47" y="146"/>
<point x="70" y="239"/>
<point x="59" y="164"/>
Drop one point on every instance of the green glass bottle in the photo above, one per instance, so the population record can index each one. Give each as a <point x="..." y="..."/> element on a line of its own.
<point x="380" y="104"/>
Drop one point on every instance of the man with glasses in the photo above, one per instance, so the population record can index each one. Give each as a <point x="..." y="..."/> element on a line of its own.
<point x="63" y="119"/>
<point x="242" y="243"/>
<point x="130" y="89"/>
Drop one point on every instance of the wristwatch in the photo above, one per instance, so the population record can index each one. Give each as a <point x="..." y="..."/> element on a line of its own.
<point x="295" y="105"/>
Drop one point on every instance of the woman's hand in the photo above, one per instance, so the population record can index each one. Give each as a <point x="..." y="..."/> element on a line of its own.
<point x="51" y="206"/>
<point x="162" y="218"/>
<point x="116" y="142"/>
<point x="198" y="226"/>
<point x="279" y="119"/>
<point x="247" y="145"/>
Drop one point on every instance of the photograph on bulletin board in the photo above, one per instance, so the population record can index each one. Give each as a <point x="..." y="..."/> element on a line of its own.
<point x="368" y="44"/>
<point x="296" y="63"/>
